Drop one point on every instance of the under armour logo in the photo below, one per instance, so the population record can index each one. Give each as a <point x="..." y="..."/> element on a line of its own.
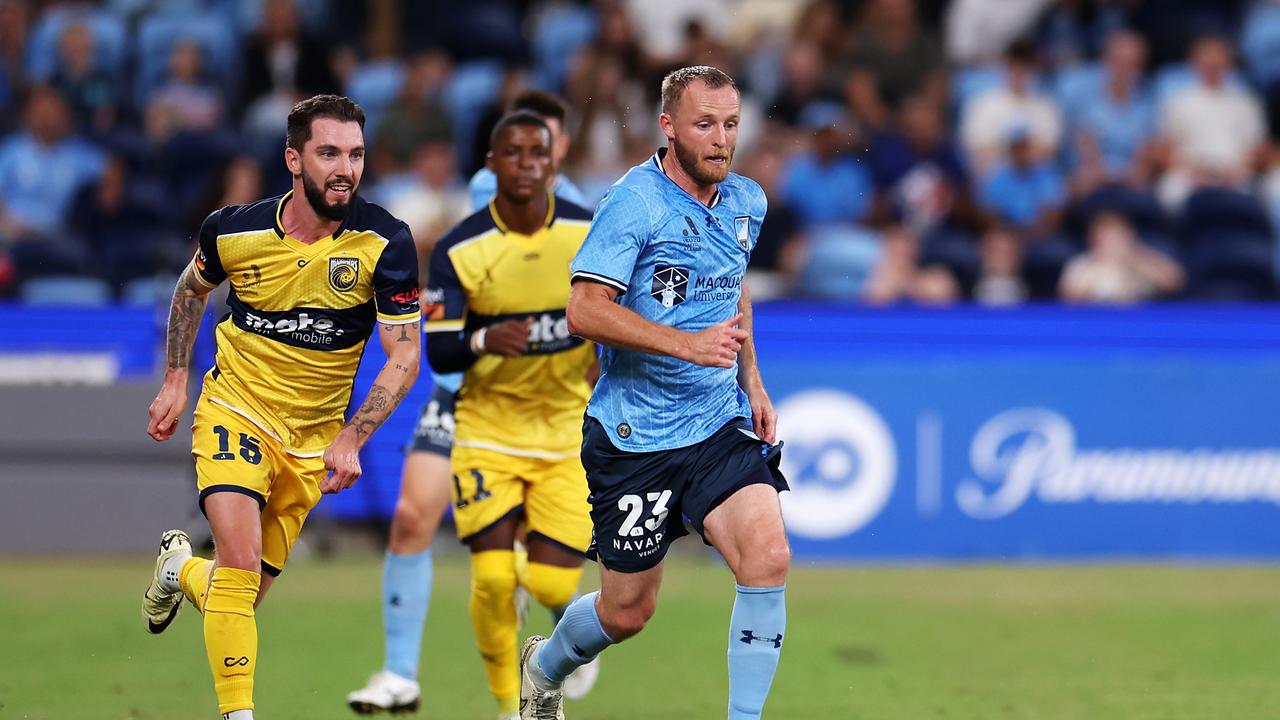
<point x="749" y="637"/>
<point x="394" y="601"/>
<point x="232" y="662"/>
<point x="579" y="651"/>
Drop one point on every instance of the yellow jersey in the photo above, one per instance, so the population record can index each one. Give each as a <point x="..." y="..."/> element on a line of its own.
<point x="299" y="315"/>
<point x="482" y="272"/>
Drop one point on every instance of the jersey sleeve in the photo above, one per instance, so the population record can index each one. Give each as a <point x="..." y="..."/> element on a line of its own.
<point x="395" y="281"/>
<point x="618" y="233"/>
<point x="446" y="306"/>
<point x="208" y="263"/>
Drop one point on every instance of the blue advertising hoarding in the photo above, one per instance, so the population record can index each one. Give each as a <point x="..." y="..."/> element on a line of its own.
<point x="1037" y="433"/>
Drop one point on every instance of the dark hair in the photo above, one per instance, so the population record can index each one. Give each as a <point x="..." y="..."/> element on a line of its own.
<point x="541" y="103"/>
<point x="1021" y="51"/>
<point x="318" y="106"/>
<point x="519" y="117"/>
<point x="676" y="81"/>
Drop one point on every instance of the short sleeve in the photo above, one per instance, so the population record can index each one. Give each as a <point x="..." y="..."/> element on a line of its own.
<point x="446" y="305"/>
<point x="208" y="262"/>
<point x="482" y="188"/>
<point x="395" y="280"/>
<point x="619" y="231"/>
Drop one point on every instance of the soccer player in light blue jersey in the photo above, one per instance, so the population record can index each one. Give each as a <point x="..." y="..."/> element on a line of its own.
<point x="484" y="184"/>
<point x="679" y="423"/>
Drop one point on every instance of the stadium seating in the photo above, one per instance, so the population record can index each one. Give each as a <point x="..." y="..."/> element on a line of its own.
<point x="65" y="290"/>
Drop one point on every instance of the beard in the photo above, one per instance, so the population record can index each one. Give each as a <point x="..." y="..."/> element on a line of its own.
<point x="702" y="172"/>
<point x="314" y="192"/>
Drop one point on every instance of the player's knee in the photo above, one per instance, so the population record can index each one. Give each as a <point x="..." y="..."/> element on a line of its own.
<point x="241" y="558"/>
<point x="621" y="623"/>
<point x="551" y="585"/>
<point x="408" y="526"/>
<point x="493" y="575"/>
<point x="767" y="565"/>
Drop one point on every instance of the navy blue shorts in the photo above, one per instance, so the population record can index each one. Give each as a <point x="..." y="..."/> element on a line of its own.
<point x="434" y="432"/>
<point x="639" y="500"/>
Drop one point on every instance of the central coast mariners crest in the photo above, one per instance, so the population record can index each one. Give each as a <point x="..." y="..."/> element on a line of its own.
<point x="343" y="273"/>
<point x="670" y="285"/>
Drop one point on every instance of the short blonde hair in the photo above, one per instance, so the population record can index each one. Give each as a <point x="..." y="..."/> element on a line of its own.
<point x="674" y="84"/>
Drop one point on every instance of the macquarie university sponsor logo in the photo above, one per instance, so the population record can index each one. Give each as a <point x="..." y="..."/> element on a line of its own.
<point x="714" y="289"/>
<point x="1028" y="453"/>
<point x="670" y="285"/>
<point x="343" y="273"/>
<point x="841" y="462"/>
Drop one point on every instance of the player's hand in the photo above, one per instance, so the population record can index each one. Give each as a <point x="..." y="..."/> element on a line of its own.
<point x="509" y="338"/>
<point x="764" y="419"/>
<point x="717" y="345"/>
<point x="342" y="460"/>
<point x="168" y="406"/>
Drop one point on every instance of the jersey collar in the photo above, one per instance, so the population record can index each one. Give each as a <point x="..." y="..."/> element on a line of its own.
<point x="657" y="164"/>
<point x="502" y="226"/>
<point x="301" y="247"/>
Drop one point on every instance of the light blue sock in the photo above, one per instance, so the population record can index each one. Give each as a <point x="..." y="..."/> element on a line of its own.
<point x="578" y="638"/>
<point x="558" y="613"/>
<point x="406" y="593"/>
<point x="755" y="642"/>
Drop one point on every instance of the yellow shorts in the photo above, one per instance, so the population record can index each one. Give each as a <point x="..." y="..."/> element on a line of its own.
<point x="489" y="487"/>
<point x="234" y="455"/>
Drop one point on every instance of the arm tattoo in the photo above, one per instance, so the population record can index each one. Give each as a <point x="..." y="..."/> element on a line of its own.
<point x="404" y="332"/>
<point x="184" y="319"/>
<point x="377" y="407"/>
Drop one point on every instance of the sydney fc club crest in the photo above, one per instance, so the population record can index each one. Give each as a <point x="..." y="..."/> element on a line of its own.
<point x="343" y="273"/>
<point x="670" y="285"/>
<point x="742" y="230"/>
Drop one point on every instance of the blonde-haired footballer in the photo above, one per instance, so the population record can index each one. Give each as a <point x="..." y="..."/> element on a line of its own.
<point x="312" y="273"/>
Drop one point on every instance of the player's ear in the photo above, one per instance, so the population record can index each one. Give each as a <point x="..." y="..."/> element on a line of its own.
<point x="668" y="125"/>
<point x="488" y="161"/>
<point x="293" y="161"/>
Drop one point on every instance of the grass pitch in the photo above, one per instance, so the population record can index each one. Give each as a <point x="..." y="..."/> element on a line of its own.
<point x="918" y="643"/>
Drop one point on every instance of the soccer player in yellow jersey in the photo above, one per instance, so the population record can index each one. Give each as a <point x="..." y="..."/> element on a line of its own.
<point x="311" y="274"/>
<point x="497" y="288"/>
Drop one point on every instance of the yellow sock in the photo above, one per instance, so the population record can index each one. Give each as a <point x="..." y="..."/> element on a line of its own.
<point x="522" y="565"/>
<point x="231" y="636"/>
<point x="493" y="615"/>
<point x="551" y="585"/>
<point x="193" y="577"/>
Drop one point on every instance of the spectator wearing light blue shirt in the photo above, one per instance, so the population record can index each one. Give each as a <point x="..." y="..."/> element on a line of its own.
<point x="827" y="185"/>
<point x="41" y="168"/>
<point x="484" y="184"/>
<point x="1024" y="191"/>
<point x="1115" y="129"/>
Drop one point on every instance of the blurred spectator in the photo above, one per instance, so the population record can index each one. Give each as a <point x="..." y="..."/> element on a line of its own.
<point x="1117" y="268"/>
<point x="15" y="21"/>
<point x="919" y="177"/>
<point x="91" y="92"/>
<point x="827" y="184"/>
<point x="779" y="252"/>
<point x="979" y="30"/>
<point x="429" y="197"/>
<point x="661" y="25"/>
<point x="802" y="71"/>
<point x="1073" y="31"/>
<point x="121" y="223"/>
<point x="1213" y="130"/>
<point x="821" y="25"/>
<point x="41" y="168"/>
<point x="187" y="100"/>
<point x="898" y="276"/>
<point x="282" y="66"/>
<point x="1000" y="280"/>
<point x="617" y="129"/>
<point x="891" y="60"/>
<point x="986" y="121"/>
<point x="416" y="116"/>
<point x="1116" y="127"/>
<point x="1026" y="191"/>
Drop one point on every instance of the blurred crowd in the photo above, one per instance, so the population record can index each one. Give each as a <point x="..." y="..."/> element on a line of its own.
<point x="925" y="151"/>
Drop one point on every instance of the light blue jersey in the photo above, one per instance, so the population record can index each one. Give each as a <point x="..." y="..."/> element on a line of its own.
<point x="677" y="262"/>
<point x="484" y="185"/>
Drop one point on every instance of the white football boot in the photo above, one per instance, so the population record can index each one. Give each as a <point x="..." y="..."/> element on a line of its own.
<point x="163" y="598"/>
<point x="535" y="703"/>
<point x="386" y="692"/>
